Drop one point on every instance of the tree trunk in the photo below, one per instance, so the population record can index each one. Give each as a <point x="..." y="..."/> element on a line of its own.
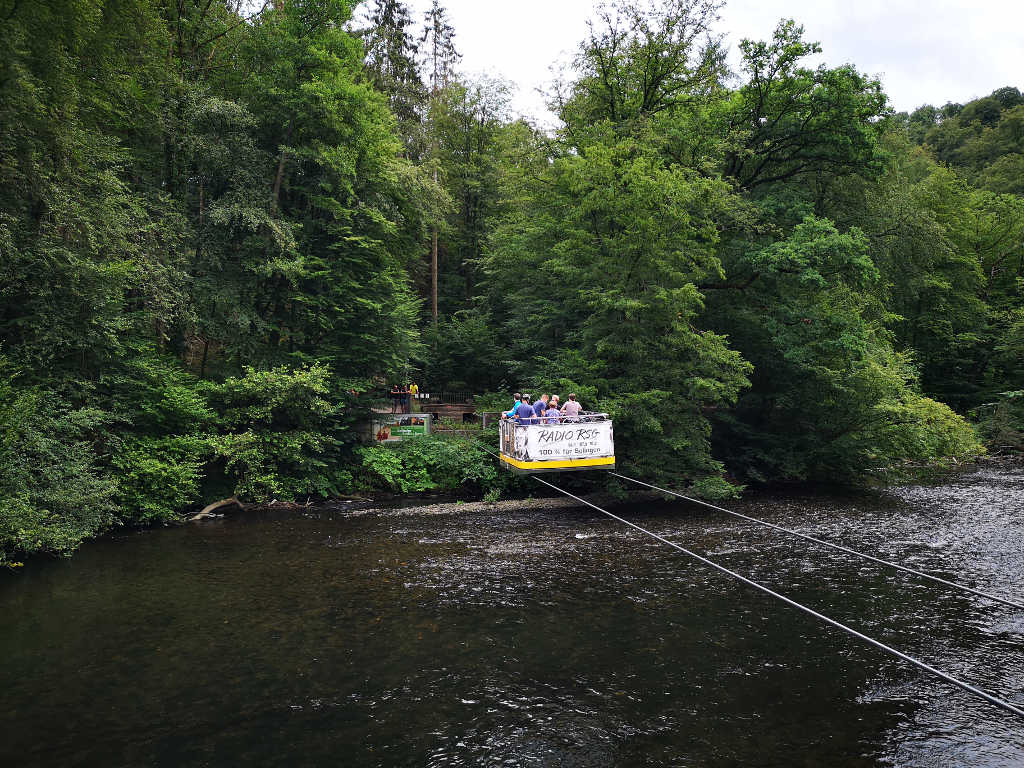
<point x="206" y="352"/>
<point x="433" y="268"/>
<point x="280" y="167"/>
<point x="433" y="275"/>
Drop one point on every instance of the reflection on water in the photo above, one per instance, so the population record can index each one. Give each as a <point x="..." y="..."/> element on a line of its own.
<point x="554" y="638"/>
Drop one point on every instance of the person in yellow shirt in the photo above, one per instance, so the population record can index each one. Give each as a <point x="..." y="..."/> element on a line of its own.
<point x="414" y="390"/>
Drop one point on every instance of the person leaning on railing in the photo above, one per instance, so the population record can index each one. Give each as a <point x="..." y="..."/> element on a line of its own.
<point x="539" y="408"/>
<point x="512" y="412"/>
<point x="572" y="408"/>
<point x="524" y="411"/>
<point x="552" y="414"/>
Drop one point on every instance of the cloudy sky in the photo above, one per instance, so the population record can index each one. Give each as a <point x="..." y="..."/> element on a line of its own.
<point x="925" y="51"/>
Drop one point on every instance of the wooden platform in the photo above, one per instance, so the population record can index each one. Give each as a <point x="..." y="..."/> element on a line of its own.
<point x="440" y="411"/>
<point x="449" y="411"/>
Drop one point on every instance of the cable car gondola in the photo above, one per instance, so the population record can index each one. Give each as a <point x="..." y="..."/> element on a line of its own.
<point x="584" y="442"/>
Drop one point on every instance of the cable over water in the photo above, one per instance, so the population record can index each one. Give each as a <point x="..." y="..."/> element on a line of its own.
<point x="840" y="547"/>
<point x="1001" y="703"/>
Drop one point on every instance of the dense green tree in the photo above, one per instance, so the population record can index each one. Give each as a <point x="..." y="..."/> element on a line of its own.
<point x="83" y="261"/>
<point x="602" y="250"/>
<point x="391" y="62"/>
<point x="796" y="124"/>
<point x="639" y="61"/>
<point x="803" y="299"/>
<point x="950" y="258"/>
<point x="830" y="396"/>
<point x="983" y="139"/>
<point x="600" y="263"/>
<point x="930" y="285"/>
<point x="337" y="292"/>
<point x="469" y="121"/>
<point x="982" y="145"/>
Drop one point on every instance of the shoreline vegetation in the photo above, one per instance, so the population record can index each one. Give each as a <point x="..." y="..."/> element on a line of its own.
<point x="428" y="503"/>
<point x="446" y="503"/>
<point x="221" y="235"/>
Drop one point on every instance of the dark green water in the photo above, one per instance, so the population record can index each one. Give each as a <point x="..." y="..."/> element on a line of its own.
<point x="552" y="637"/>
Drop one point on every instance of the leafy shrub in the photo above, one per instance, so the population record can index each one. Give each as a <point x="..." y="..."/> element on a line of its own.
<point x="275" y="432"/>
<point x="919" y="429"/>
<point x="159" y="477"/>
<point x="716" y="488"/>
<point x="278" y="398"/>
<point x="264" y="464"/>
<point x="52" y="494"/>
<point x="430" y="463"/>
<point x="154" y="396"/>
<point x="1001" y="423"/>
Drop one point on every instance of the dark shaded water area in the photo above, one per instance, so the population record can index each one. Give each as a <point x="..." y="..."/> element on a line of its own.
<point x="524" y="637"/>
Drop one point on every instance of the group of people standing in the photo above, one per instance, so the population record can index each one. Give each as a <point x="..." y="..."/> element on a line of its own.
<point x="403" y="397"/>
<point x="544" y="411"/>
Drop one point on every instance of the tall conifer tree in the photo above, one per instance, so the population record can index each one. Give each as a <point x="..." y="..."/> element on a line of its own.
<point x="440" y="60"/>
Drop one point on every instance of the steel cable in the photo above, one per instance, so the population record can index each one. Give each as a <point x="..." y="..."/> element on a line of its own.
<point x="991" y="699"/>
<point x="840" y="547"/>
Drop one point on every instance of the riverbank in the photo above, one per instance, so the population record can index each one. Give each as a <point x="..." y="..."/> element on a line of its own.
<point x="519" y="498"/>
<point x="395" y="505"/>
<point x="451" y="504"/>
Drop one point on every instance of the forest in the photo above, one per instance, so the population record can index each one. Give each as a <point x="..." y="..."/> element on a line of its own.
<point x="220" y="220"/>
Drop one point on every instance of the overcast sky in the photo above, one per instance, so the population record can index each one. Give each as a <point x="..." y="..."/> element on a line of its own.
<point x="925" y="51"/>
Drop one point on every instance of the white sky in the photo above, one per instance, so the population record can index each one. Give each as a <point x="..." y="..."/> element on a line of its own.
<point x="925" y="51"/>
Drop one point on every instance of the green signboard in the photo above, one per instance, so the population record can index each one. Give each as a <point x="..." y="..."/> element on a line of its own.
<point x="396" y="427"/>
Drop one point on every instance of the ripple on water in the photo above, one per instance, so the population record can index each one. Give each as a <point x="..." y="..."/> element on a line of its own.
<point x="532" y="637"/>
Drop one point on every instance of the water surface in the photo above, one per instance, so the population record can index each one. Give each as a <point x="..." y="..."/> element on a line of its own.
<point x="524" y="637"/>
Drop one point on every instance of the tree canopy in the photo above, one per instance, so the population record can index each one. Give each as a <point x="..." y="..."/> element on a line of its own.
<point x="219" y="225"/>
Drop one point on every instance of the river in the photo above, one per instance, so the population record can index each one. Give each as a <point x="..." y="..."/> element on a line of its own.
<point x="522" y="637"/>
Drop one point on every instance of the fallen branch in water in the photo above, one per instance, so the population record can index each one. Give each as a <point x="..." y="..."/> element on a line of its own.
<point x="209" y="509"/>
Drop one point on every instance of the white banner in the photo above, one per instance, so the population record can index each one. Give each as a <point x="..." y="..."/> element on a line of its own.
<point x="561" y="442"/>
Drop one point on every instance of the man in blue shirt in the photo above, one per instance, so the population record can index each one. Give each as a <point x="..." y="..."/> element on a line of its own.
<point x="524" y="411"/>
<point x="539" y="407"/>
